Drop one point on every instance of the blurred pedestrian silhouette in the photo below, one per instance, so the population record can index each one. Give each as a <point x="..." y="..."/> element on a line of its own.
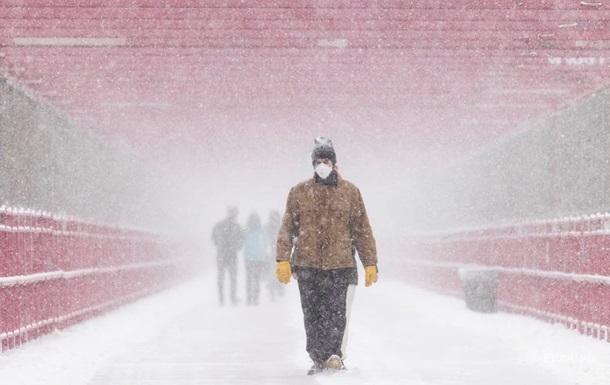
<point x="228" y="237"/>
<point x="272" y="228"/>
<point x="256" y="252"/>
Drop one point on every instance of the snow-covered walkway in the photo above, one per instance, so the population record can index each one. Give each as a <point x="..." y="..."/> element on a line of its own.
<point x="398" y="335"/>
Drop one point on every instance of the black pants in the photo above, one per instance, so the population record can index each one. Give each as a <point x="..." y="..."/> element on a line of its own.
<point x="227" y="264"/>
<point x="323" y="296"/>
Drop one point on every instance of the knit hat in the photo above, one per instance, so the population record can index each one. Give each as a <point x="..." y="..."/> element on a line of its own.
<point x="323" y="149"/>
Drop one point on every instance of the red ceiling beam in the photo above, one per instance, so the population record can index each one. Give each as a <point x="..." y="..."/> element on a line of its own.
<point x="462" y="42"/>
<point x="312" y="58"/>
<point x="357" y="16"/>
<point x="340" y="4"/>
<point x="138" y="26"/>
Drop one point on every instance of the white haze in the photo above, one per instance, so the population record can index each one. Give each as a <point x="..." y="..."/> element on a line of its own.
<point x="255" y="173"/>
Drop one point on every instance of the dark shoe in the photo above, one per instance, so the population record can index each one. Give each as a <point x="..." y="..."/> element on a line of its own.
<point x="316" y="368"/>
<point x="334" y="363"/>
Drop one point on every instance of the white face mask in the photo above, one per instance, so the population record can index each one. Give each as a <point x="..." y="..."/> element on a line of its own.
<point x="323" y="170"/>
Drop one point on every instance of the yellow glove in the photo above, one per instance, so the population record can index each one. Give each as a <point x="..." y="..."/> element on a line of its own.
<point x="283" y="271"/>
<point x="370" y="275"/>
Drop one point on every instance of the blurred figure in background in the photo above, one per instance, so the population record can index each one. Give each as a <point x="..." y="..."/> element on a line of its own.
<point x="256" y="252"/>
<point x="272" y="228"/>
<point x="228" y="237"/>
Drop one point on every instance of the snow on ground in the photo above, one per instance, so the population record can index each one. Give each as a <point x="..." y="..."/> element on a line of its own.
<point x="398" y="335"/>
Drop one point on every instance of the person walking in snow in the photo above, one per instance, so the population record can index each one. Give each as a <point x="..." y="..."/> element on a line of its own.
<point x="325" y="217"/>
<point x="256" y="249"/>
<point x="228" y="237"/>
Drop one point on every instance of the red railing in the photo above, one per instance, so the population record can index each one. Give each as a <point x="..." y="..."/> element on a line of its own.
<point x="556" y="270"/>
<point x="55" y="271"/>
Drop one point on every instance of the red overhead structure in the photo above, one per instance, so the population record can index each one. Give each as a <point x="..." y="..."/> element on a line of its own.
<point x="433" y="70"/>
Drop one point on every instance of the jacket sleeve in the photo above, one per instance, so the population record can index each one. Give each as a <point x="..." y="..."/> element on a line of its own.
<point x="288" y="229"/>
<point x="363" y="234"/>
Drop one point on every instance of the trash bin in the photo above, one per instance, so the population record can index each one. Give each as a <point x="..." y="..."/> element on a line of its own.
<point x="479" y="289"/>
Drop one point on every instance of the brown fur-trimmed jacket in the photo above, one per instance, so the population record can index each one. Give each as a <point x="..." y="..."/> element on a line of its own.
<point x="324" y="222"/>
